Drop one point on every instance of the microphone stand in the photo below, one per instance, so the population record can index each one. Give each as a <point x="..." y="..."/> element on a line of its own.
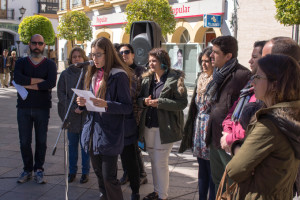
<point x="64" y="126"/>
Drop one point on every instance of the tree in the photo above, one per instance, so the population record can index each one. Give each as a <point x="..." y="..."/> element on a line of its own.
<point x="36" y="24"/>
<point x="288" y="13"/>
<point x="158" y="11"/>
<point x="75" y="25"/>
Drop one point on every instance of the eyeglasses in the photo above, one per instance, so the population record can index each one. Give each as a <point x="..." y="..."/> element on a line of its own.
<point x="258" y="77"/>
<point x="125" y="52"/>
<point x="39" y="43"/>
<point x="97" y="55"/>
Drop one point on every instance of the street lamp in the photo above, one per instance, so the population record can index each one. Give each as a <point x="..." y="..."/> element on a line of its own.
<point x="18" y="42"/>
<point x="22" y="12"/>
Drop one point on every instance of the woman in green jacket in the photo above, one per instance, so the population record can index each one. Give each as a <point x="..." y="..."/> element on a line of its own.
<point x="163" y="97"/>
<point x="266" y="165"/>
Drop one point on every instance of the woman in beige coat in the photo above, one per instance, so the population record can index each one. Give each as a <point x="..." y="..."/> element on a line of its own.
<point x="266" y="165"/>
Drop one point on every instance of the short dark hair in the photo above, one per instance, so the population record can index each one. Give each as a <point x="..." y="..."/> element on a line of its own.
<point x="227" y="44"/>
<point x="260" y="44"/>
<point x="162" y="56"/>
<point x="5" y="50"/>
<point x="207" y="51"/>
<point x="286" y="46"/>
<point x="285" y="71"/>
<point x="126" y="45"/>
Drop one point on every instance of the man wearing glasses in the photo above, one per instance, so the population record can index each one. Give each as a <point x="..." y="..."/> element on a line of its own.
<point x="37" y="74"/>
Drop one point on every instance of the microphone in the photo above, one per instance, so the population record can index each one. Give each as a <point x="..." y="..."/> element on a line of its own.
<point x="90" y="62"/>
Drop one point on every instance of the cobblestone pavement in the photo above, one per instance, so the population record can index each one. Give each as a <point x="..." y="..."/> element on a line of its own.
<point x="183" y="167"/>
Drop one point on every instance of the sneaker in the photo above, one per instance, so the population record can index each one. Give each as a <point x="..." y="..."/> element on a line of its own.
<point x="24" y="177"/>
<point x="151" y="196"/>
<point x="39" y="177"/>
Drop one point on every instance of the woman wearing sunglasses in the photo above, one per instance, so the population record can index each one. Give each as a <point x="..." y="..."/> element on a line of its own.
<point x="265" y="167"/>
<point x="103" y="132"/>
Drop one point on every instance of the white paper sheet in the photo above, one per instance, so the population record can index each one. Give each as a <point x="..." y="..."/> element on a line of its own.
<point x="21" y="90"/>
<point x="89" y="104"/>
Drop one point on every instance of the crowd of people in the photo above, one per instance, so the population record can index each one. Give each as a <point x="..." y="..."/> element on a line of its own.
<point x="240" y="122"/>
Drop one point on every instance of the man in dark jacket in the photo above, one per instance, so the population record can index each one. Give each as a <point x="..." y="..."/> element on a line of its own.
<point x="4" y="70"/>
<point x="229" y="77"/>
<point x="37" y="74"/>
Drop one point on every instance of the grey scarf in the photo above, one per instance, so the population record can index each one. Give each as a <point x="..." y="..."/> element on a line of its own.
<point x="219" y="76"/>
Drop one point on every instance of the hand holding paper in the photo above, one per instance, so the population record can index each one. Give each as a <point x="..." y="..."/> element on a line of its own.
<point x="86" y="100"/>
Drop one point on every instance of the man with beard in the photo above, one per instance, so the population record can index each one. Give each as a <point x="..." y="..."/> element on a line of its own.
<point x="38" y="75"/>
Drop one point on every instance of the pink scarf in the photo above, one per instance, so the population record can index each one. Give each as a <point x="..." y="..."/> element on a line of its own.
<point x="98" y="80"/>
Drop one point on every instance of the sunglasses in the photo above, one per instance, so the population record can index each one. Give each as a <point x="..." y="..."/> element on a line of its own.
<point x="39" y="43"/>
<point x="258" y="77"/>
<point x="125" y="52"/>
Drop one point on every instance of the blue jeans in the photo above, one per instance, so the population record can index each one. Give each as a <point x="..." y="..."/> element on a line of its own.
<point x="27" y="118"/>
<point x="205" y="181"/>
<point x="74" y="139"/>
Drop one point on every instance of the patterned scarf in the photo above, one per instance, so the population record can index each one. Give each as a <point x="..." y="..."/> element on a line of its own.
<point x="219" y="76"/>
<point x="202" y="82"/>
<point x="98" y="80"/>
<point x="245" y="96"/>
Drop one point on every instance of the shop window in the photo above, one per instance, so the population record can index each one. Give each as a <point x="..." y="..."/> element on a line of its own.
<point x="76" y="3"/>
<point x="185" y="37"/>
<point x="63" y="5"/>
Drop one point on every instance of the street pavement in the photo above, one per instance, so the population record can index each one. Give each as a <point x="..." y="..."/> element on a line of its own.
<point x="183" y="167"/>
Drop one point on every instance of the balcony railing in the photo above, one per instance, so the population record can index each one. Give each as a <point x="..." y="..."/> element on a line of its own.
<point x="95" y="1"/>
<point x="7" y="14"/>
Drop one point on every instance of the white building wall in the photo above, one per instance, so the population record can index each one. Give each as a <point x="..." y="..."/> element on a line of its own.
<point x="256" y="21"/>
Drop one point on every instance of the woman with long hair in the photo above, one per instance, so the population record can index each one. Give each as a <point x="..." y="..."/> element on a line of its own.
<point x="266" y="165"/>
<point x="196" y="126"/>
<point x="103" y="132"/>
<point x="67" y="80"/>
<point x="163" y="97"/>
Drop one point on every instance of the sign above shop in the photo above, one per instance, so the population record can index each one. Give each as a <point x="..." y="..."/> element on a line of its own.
<point x="198" y="8"/>
<point x="213" y="21"/>
<point x="180" y="10"/>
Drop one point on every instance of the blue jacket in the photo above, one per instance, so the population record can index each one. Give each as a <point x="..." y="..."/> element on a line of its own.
<point x="107" y="128"/>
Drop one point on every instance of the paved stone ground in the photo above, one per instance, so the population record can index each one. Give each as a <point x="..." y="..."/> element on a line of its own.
<point x="183" y="167"/>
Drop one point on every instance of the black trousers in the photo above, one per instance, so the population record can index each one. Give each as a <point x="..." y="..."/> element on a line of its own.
<point x="129" y="158"/>
<point x="105" y="168"/>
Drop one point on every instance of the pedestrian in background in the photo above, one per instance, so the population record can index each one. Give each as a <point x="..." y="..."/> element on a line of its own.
<point x="76" y="118"/>
<point x="38" y="75"/>
<point x="195" y="129"/>
<point x="163" y="97"/>
<point x="131" y="157"/>
<point x="103" y="132"/>
<point x="11" y="65"/>
<point x="266" y="165"/>
<point x="4" y="69"/>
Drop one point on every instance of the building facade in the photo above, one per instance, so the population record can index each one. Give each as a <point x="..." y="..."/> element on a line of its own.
<point x="11" y="17"/>
<point x="190" y="36"/>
